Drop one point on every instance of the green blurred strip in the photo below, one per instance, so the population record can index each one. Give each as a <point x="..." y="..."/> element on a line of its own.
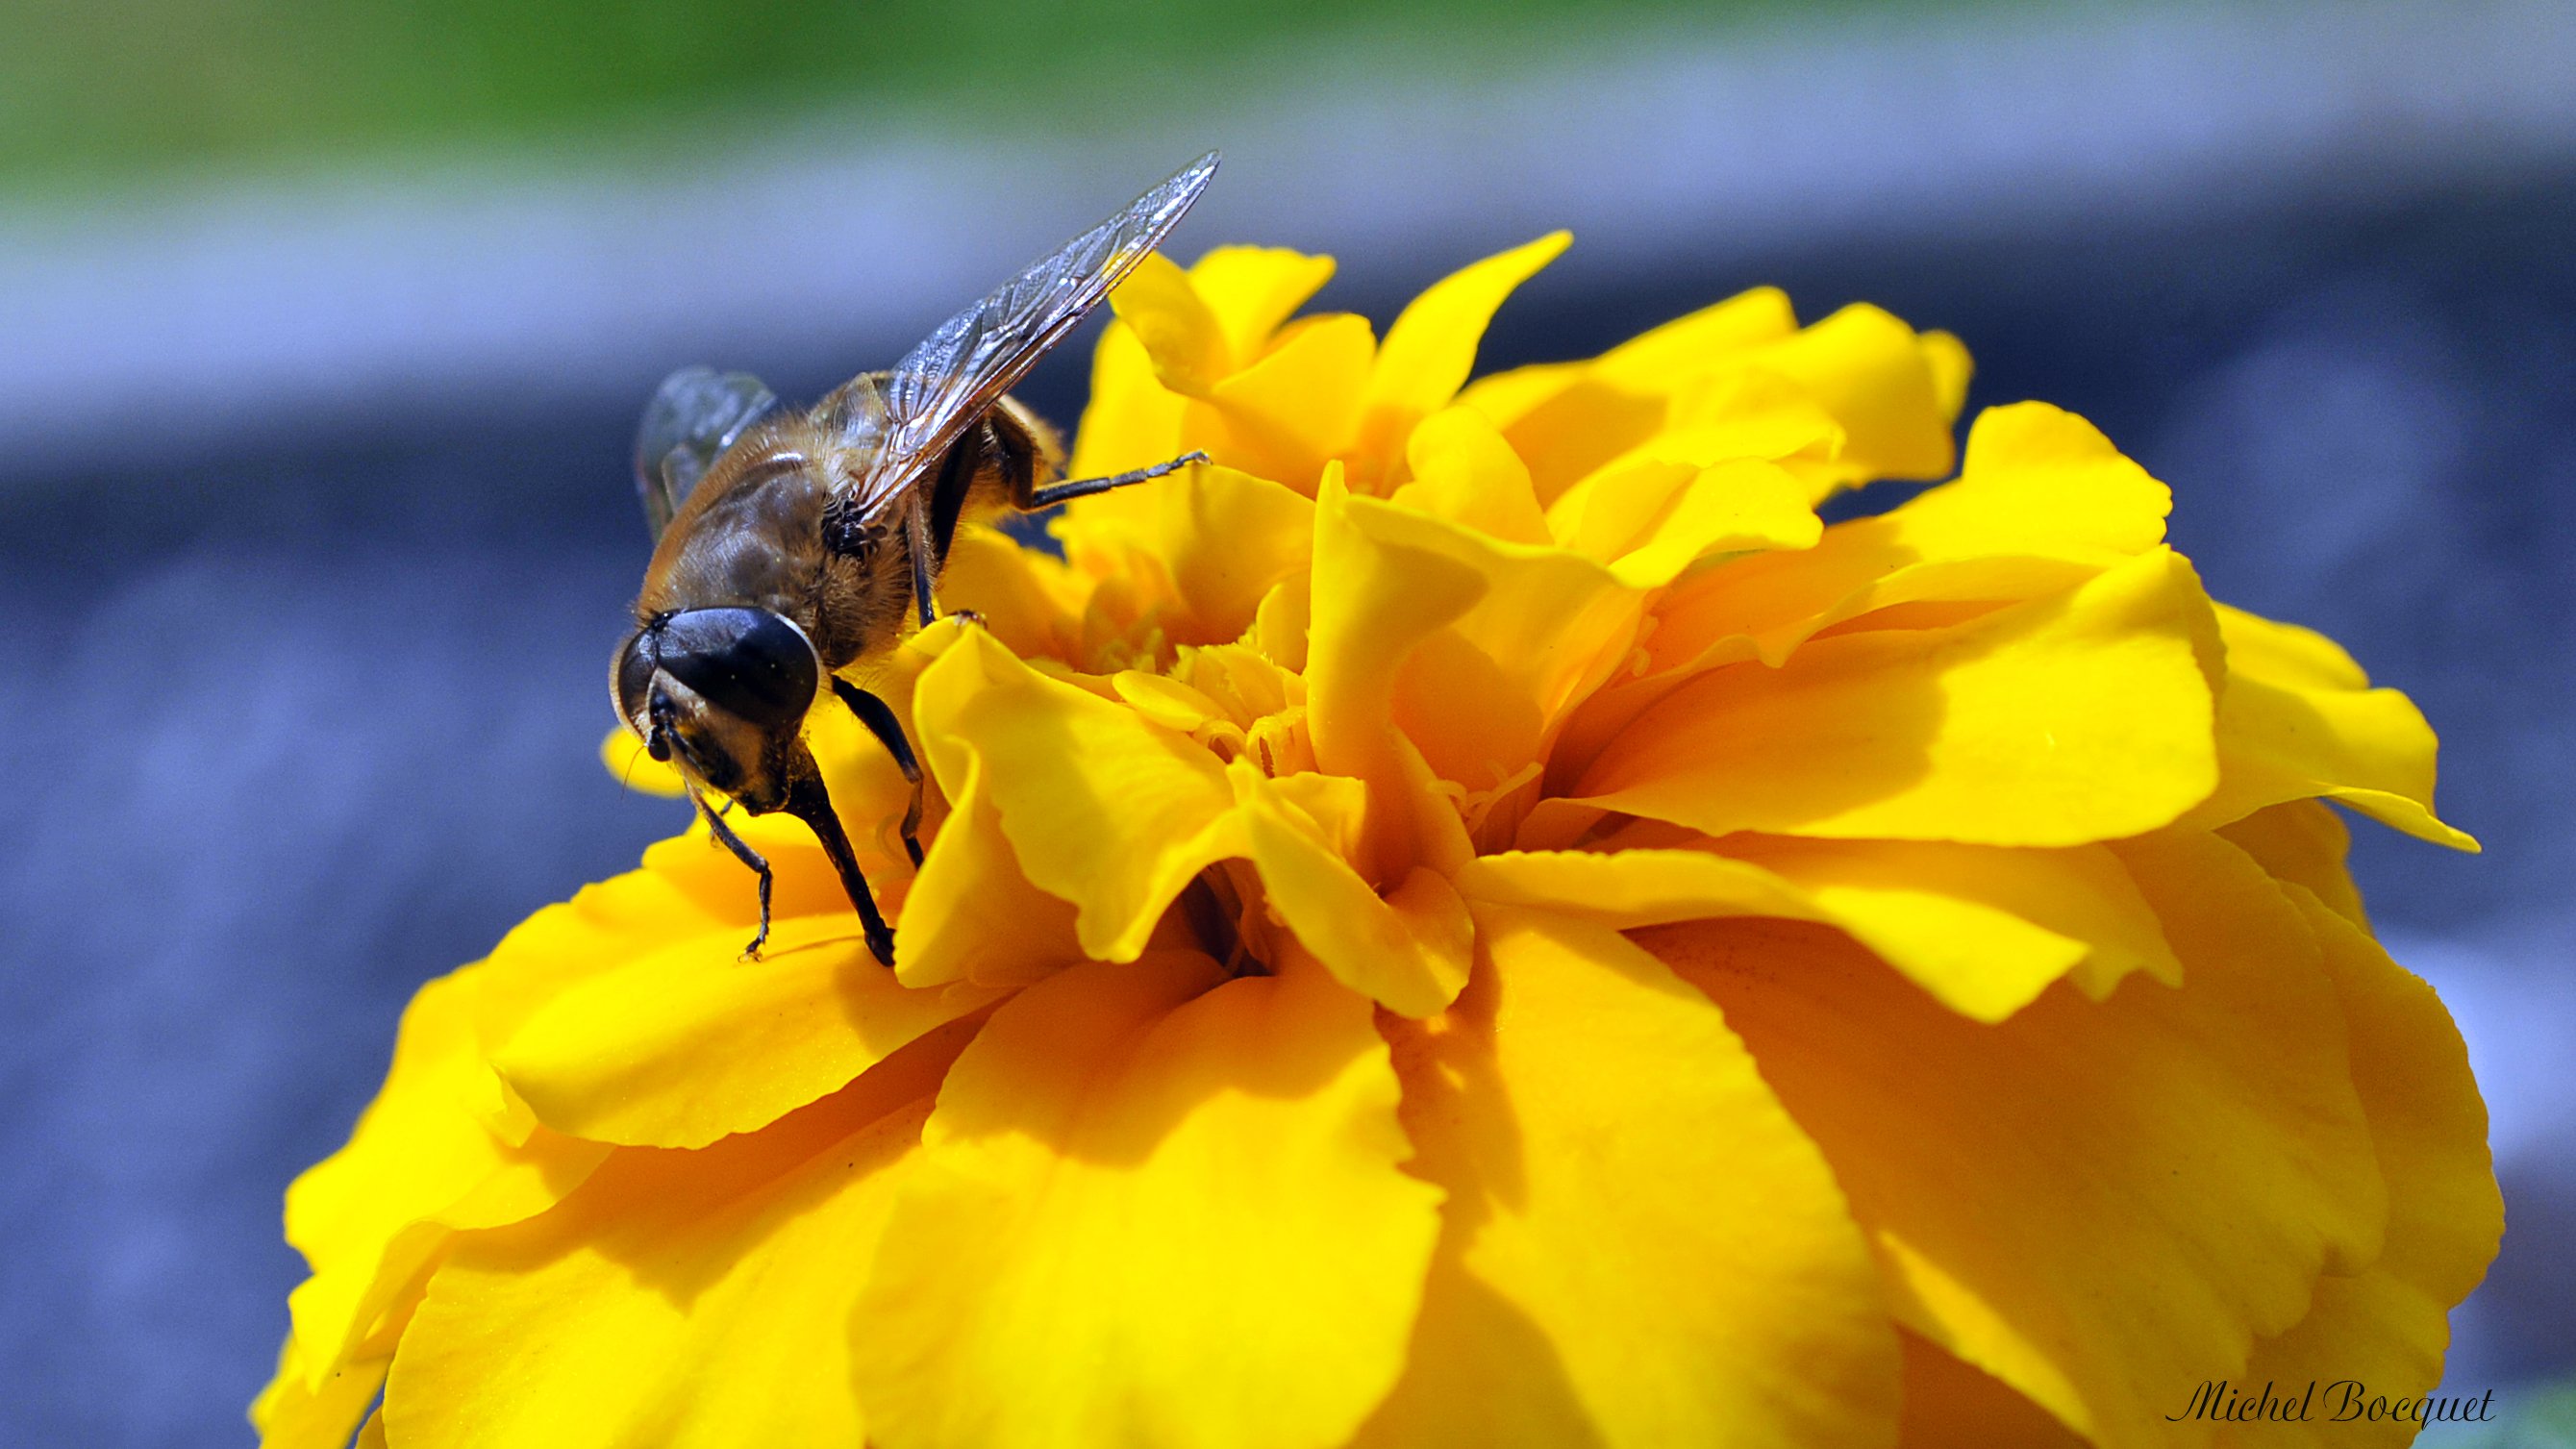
<point x="129" y="88"/>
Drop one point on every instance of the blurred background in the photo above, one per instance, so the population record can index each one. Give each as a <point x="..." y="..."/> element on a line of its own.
<point x="323" y="329"/>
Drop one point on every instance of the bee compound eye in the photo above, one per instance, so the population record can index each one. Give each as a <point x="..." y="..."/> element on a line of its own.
<point x="632" y="677"/>
<point x="750" y="663"/>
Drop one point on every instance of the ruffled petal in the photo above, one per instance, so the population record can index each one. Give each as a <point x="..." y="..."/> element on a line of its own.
<point x="1431" y="347"/>
<point x="299" y="1410"/>
<point x="1132" y="420"/>
<point x="1464" y="472"/>
<point x="423" y="1162"/>
<point x="1180" y="335"/>
<point x="1949" y="1405"/>
<point x="1252" y="290"/>
<point x="1894" y="393"/>
<point x="1119" y="837"/>
<point x="1409" y="952"/>
<point x="687" y="1300"/>
<point x="1983" y="928"/>
<point x="2070" y="719"/>
<point x="1490" y="645"/>
<point x="2297" y="718"/>
<point x="692" y="1043"/>
<point x="2303" y="842"/>
<point x="1288" y="414"/>
<point x="2043" y="502"/>
<point x="2103" y="1204"/>
<point x="972" y="916"/>
<point x="1652" y="519"/>
<point x="1378" y="595"/>
<point x="2384" y="1328"/>
<point x="1158" y="1207"/>
<point x="1221" y="538"/>
<point x="1639" y="1246"/>
<point x="1567" y="419"/>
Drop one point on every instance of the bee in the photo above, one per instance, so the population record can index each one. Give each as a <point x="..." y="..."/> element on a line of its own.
<point x="790" y="545"/>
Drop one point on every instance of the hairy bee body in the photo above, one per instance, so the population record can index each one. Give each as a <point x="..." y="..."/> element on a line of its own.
<point x="790" y="546"/>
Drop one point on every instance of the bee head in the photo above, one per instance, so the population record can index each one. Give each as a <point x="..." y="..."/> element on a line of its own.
<point x="719" y="694"/>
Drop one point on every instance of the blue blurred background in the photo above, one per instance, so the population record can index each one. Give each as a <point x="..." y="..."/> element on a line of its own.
<point x="325" y="328"/>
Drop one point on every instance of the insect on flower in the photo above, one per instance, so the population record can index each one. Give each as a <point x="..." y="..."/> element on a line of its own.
<point x="791" y="545"/>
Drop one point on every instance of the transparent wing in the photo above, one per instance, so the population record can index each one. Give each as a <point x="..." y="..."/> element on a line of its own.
<point x="938" y="390"/>
<point x="694" y="416"/>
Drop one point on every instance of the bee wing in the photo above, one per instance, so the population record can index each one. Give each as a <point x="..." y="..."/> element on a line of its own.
<point x="942" y="386"/>
<point x="694" y="416"/>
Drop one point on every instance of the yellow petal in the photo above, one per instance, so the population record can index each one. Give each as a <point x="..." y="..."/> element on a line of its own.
<point x="1465" y="473"/>
<point x="2099" y="1204"/>
<point x="1529" y="633"/>
<point x="1222" y="537"/>
<point x="1691" y="345"/>
<point x="1377" y="597"/>
<point x="2386" y="1326"/>
<point x="1885" y="387"/>
<point x="1951" y="367"/>
<point x="1252" y="290"/>
<point x="691" y="1043"/>
<point x="681" y="1299"/>
<point x="1983" y="928"/>
<point x="421" y="1163"/>
<point x="1289" y="413"/>
<point x="1565" y="421"/>
<point x="294" y="1413"/>
<point x="1639" y="1247"/>
<point x="1408" y="952"/>
<point x="1131" y="420"/>
<point x="2070" y="719"/>
<point x="2043" y="502"/>
<point x="1960" y="918"/>
<point x="1156" y="1207"/>
<point x="2303" y="842"/>
<point x="1651" y="520"/>
<point x="1431" y="346"/>
<point x="2297" y="719"/>
<point x="1026" y="598"/>
<point x="1179" y="333"/>
<point x="624" y="756"/>
<point x="972" y="916"/>
<point x="1949" y="1405"/>
<point x="1104" y="808"/>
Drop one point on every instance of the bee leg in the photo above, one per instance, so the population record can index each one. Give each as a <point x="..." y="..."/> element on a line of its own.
<point x="808" y="801"/>
<point x="918" y="524"/>
<point x="881" y="722"/>
<point x="1054" y="494"/>
<point x="750" y="857"/>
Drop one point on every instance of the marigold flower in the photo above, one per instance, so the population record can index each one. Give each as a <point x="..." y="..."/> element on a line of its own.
<point x="1473" y="918"/>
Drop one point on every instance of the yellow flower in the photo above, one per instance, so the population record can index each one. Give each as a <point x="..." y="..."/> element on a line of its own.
<point x="1472" y="919"/>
